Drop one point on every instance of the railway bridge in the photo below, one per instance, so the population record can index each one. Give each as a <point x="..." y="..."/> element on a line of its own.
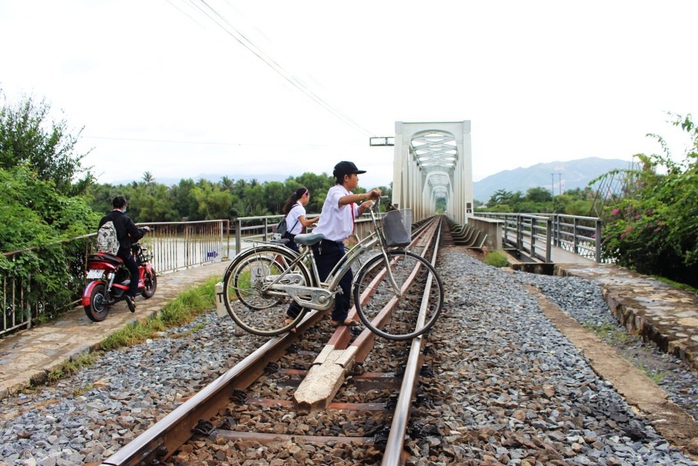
<point x="432" y="169"/>
<point x="433" y="166"/>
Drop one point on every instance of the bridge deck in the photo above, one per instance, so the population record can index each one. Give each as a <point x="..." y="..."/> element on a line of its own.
<point x="562" y="256"/>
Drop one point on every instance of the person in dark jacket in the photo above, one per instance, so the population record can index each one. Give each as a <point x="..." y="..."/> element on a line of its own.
<point x="127" y="233"/>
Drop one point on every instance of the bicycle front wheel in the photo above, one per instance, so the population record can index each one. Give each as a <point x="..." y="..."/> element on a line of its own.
<point x="248" y="300"/>
<point x="399" y="315"/>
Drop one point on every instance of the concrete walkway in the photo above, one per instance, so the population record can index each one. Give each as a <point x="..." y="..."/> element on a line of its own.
<point x="30" y="355"/>
<point x="657" y="311"/>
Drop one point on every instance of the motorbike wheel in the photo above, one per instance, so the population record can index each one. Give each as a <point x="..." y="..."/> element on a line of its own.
<point x="151" y="284"/>
<point x="99" y="305"/>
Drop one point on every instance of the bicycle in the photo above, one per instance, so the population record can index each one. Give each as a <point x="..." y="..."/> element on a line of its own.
<point x="260" y="282"/>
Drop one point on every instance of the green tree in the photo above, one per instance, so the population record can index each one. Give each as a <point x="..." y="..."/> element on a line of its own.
<point x="154" y="204"/>
<point x="538" y="195"/>
<point x="48" y="148"/>
<point x="214" y="203"/>
<point x="276" y="194"/>
<point x="185" y="204"/>
<point x="35" y="215"/>
<point x="148" y="178"/>
<point x="318" y="185"/>
<point x="501" y="196"/>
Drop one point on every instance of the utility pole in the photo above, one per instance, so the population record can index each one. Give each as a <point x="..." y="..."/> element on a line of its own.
<point x="552" y="185"/>
<point x="559" y="182"/>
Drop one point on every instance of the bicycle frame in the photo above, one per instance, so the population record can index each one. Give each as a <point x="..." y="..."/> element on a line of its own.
<point x="321" y="297"/>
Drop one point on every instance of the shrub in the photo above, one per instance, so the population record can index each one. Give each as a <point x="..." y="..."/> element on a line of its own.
<point x="497" y="259"/>
<point x="654" y="228"/>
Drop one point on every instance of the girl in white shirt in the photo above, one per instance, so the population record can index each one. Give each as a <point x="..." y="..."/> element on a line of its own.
<point x="295" y="215"/>
<point x="296" y="221"/>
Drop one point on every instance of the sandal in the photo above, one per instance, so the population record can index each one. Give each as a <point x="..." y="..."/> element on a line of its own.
<point x="288" y="321"/>
<point x="346" y="323"/>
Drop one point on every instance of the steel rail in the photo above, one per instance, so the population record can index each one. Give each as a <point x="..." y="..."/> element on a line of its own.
<point x="175" y="429"/>
<point x="394" y="448"/>
<point x="166" y="436"/>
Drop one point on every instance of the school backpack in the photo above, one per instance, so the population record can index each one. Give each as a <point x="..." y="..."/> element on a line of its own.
<point x="280" y="230"/>
<point x="106" y="238"/>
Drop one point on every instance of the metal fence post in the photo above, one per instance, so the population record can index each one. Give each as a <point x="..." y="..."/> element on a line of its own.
<point x="238" y="236"/>
<point x="598" y="240"/>
<point x="548" y="241"/>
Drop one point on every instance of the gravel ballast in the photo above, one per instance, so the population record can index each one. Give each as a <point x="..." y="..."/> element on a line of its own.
<point x="508" y="387"/>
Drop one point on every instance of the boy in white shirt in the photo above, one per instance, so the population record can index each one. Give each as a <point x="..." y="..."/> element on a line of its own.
<point x="337" y="224"/>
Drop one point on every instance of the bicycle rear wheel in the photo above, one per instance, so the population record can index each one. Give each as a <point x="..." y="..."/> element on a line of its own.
<point x="248" y="302"/>
<point x="401" y="316"/>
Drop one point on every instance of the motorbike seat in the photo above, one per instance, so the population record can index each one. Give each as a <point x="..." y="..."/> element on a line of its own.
<point x="102" y="256"/>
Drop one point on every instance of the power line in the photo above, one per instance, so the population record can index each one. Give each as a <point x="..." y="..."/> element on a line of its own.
<point x="213" y="143"/>
<point x="243" y="40"/>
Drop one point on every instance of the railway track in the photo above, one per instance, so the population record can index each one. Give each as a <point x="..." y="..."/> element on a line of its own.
<point x="297" y="398"/>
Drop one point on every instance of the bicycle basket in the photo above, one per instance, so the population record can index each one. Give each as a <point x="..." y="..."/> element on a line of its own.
<point x="397" y="227"/>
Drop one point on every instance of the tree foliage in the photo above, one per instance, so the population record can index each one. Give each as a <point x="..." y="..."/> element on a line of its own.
<point x="48" y="148"/>
<point x="539" y="200"/>
<point x="150" y="201"/>
<point x="41" y="203"/>
<point x="654" y="227"/>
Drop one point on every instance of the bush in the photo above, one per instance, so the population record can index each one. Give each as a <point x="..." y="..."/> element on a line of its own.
<point x="497" y="259"/>
<point x="654" y="228"/>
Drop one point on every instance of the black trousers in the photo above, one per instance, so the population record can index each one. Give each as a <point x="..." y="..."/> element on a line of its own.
<point x="132" y="266"/>
<point x="327" y="255"/>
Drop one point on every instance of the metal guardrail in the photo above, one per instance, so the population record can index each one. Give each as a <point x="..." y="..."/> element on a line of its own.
<point x="174" y="245"/>
<point x="252" y="229"/>
<point x="536" y="234"/>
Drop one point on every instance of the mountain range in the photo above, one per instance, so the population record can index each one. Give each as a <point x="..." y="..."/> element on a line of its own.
<point x="560" y="176"/>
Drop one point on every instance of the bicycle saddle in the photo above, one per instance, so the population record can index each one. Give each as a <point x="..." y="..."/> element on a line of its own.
<point x="308" y="239"/>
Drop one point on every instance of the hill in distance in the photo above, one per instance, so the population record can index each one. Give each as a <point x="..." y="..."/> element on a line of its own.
<point x="572" y="174"/>
<point x="560" y="176"/>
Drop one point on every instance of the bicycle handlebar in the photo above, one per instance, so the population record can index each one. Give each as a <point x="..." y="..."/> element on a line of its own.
<point x="376" y="202"/>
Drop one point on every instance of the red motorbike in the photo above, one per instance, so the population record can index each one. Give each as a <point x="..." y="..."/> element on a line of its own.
<point x="108" y="281"/>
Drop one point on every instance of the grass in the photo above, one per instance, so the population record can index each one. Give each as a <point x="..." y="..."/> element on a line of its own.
<point x="496" y="259"/>
<point x="608" y="333"/>
<point x="616" y="337"/>
<point x="680" y="286"/>
<point x="72" y="366"/>
<point x="654" y="376"/>
<point x="182" y="310"/>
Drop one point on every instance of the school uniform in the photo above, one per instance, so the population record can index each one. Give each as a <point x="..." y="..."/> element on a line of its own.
<point x="293" y="219"/>
<point x="336" y="224"/>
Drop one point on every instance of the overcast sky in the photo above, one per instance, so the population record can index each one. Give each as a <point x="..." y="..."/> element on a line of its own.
<point x="167" y="86"/>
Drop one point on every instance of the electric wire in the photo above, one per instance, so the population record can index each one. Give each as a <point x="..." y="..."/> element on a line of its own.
<point x="217" y="18"/>
<point x="213" y="143"/>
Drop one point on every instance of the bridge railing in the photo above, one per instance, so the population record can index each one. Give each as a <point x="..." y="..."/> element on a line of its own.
<point x="535" y="234"/>
<point x="578" y="234"/>
<point x="260" y="228"/>
<point x="174" y="245"/>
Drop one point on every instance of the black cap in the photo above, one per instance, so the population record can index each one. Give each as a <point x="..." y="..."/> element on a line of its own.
<point x="346" y="168"/>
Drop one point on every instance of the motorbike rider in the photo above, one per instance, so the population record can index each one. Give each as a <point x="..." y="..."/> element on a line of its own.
<point x="126" y="233"/>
